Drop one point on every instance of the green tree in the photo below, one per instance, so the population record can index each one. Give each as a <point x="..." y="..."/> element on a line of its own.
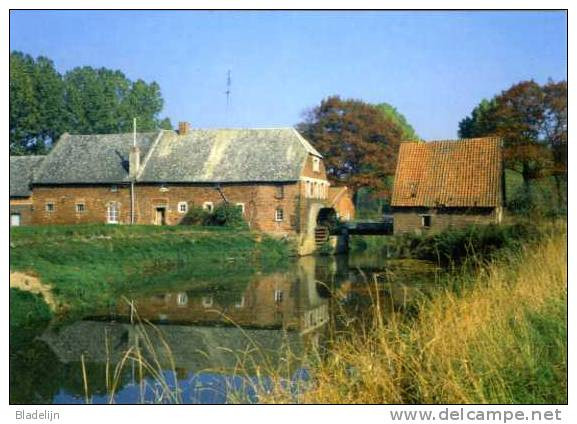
<point x="359" y="143"/>
<point x="44" y="104"/>
<point x="36" y="104"/>
<point x="481" y="122"/>
<point x="391" y="112"/>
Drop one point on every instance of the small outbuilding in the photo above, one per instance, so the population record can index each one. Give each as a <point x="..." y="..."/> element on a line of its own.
<point x="451" y="183"/>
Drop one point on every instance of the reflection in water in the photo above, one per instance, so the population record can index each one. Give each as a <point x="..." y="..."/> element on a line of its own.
<point x="267" y="325"/>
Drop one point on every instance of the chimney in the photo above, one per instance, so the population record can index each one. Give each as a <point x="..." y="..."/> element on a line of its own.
<point x="183" y="128"/>
<point x="134" y="162"/>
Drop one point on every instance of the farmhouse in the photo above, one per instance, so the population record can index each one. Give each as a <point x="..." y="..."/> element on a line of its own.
<point x="21" y="202"/>
<point x="274" y="176"/>
<point x="444" y="184"/>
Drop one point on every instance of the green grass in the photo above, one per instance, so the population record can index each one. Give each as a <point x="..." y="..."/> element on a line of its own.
<point x="89" y="266"/>
<point x="27" y="309"/>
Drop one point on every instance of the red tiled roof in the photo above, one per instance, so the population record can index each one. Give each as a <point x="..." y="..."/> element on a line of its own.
<point x="458" y="173"/>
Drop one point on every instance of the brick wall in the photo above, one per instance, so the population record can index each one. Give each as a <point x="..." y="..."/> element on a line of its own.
<point x="65" y="199"/>
<point x="22" y="207"/>
<point x="260" y="203"/>
<point x="407" y="220"/>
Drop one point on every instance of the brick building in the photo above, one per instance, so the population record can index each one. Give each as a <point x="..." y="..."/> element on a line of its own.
<point x="273" y="175"/>
<point x="21" y="171"/>
<point x="445" y="184"/>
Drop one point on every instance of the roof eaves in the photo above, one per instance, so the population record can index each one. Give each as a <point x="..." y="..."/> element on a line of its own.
<point x="308" y="146"/>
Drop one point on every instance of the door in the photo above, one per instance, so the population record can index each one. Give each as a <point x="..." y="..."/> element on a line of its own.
<point x="160" y="217"/>
<point x="15" y="220"/>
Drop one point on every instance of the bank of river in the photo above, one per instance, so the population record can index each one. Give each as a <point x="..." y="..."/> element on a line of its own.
<point x="221" y="316"/>
<point x="227" y="331"/>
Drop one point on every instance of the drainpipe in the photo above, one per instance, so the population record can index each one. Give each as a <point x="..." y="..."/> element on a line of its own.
<point x="132" y="202"/>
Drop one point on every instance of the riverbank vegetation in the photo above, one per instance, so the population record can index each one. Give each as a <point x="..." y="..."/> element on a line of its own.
<point x="89" y="266"/>
<point x="497" y="335"/>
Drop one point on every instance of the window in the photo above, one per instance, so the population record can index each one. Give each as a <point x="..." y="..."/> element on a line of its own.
<point x="426" y="221"/>
<point x="241" y="207"/>
<point x="182" y="207"/>
<point x="80" y="208"/>
<point x="278" y="214"/>
<point x="112" y="213"/>
<point x="240" y="303"/>
<point x="181" y="299"/>
<point x="208" y="206"/>
<point x="207" y="301"/>
<point x="278" y="296"/>
<point x="49" y="207"/>
<point x="316" y="164"/>
<point x="279" y="194"/>
<point x="114" y="188"/>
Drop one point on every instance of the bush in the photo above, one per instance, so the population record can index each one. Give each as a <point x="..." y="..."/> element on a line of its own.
<point x="226" y="215"/>
<point x="196" y="216"/>
<point x="477" y="242"/>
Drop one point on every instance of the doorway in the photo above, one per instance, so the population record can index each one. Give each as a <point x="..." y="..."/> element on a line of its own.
<point x="15" y="220"/>
<point x="160" y="216"/>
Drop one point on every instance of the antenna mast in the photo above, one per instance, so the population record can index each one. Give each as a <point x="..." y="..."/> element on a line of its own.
<point x="227" y="92"/>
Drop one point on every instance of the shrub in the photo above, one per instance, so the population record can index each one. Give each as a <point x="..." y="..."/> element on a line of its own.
<point x="226" y="215"/>
<point x="196" y="215"/>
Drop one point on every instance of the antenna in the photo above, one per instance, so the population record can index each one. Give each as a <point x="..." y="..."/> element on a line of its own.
<point x="133" y="132"/>
<point x="227" y="92"/>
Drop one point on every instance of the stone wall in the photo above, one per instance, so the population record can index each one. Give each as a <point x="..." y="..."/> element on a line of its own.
<point x="410" y="220"/>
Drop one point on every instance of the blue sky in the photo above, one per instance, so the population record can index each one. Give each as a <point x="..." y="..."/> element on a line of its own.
<point x="433" y="66"/>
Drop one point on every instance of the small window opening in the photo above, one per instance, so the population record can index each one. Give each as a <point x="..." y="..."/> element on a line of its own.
<point x="182" y="207"/>
<point x="279" y="193"/>
<point x="80" y="208"/>
<point x="49" y="207"/>
<point x="426" y="221"/>
<point x="279" y="214"/>
<point x="208" y="206"/>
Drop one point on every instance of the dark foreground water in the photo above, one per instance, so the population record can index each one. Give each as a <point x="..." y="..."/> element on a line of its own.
<point x="207" y="342"/>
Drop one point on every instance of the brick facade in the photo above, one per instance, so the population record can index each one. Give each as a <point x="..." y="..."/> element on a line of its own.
<point x="410" y="220"/>
<point x="66" y="198"/>
<point x="22" y="207"/>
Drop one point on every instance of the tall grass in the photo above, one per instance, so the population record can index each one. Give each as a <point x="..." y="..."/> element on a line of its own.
<point x="500" y="338"/>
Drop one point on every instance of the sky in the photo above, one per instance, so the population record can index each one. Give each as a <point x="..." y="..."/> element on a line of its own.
<point x="434" y="67"/>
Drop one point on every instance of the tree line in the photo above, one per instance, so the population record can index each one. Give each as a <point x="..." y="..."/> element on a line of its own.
<point x="359" y="140"/>
<point x="85" y="100"/>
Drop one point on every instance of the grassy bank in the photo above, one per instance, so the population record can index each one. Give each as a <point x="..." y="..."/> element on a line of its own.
<point x="88" y="266"/>
<point x="500" y="338"/>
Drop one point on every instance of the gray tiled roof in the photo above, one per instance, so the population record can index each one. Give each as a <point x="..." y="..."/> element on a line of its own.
<point x="200" y="156"/>
<point x="228" y="155"/>
<point x="21" y="169"/>
<point x="84" y="159"/>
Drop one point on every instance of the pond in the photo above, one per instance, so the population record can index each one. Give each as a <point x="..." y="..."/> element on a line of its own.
<point x="209" y="342"/>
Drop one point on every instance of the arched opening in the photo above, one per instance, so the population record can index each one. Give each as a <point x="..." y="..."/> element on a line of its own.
<point x="327" y="222"/>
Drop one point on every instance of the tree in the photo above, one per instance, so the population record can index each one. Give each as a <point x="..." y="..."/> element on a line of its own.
<point x="532" y="120"/>
<point x="391" y="112"/>
<point x="44" y="104"/>
<point x="358" y="141"/>
<point x="105" y="101"/>
<point x="481" y="122"/>
<point x="36" y="104"/>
